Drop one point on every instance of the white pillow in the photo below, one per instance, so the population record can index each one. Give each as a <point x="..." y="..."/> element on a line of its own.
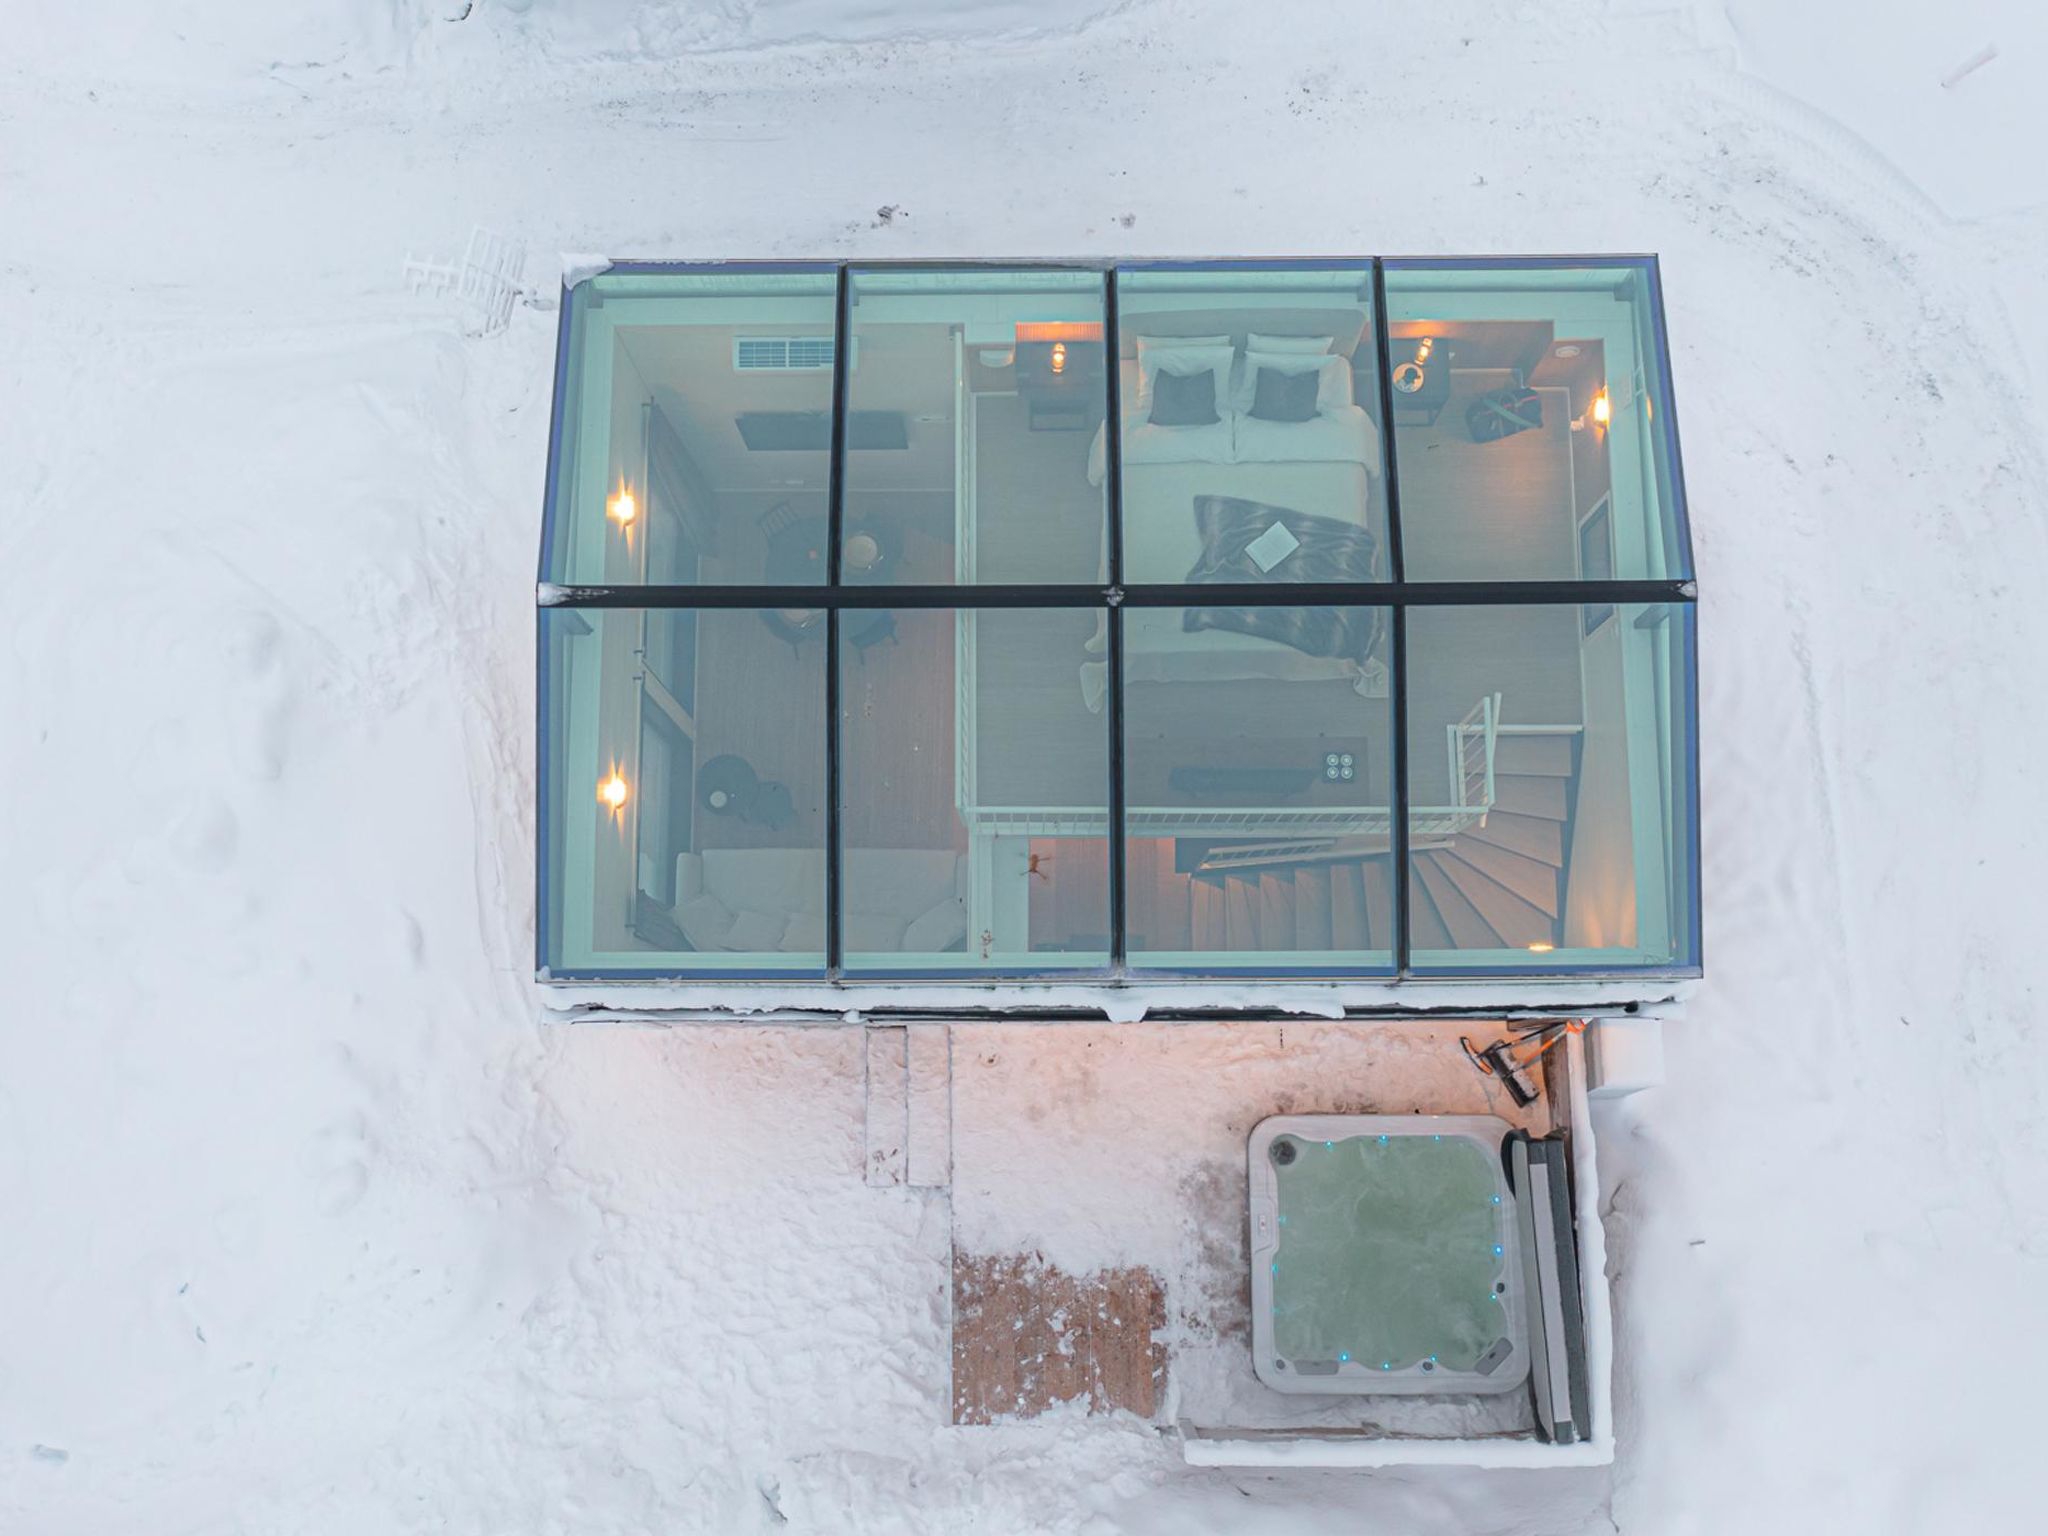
<point x="804" y="935"/>
<point x="705" y="920"/>
<point x="1258" y="343"/>
<point x="937" y="928"/>
<point x="755" y="932"/>
<point x="1150" y="344"/>
<point x="1332" y="393"/>
<point x="1185" y="361"/>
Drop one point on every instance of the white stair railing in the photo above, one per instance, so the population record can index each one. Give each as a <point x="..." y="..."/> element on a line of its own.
<point x="964" y="770"/>
<point x="1470" y="743"/>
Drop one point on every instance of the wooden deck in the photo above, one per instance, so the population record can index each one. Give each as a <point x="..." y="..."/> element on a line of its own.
<point x="1028" y="1337"/>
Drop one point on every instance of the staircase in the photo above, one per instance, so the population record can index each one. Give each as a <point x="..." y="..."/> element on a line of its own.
<point x="1495" y="885"/>
<point x="1500" y="885"/>
<point x="1339" y="904"/>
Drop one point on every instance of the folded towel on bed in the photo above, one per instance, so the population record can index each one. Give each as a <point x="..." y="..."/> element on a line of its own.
<point x="1327" y="550"/>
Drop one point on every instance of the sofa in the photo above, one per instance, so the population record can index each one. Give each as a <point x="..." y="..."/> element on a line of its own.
<point x="761" y="900"/>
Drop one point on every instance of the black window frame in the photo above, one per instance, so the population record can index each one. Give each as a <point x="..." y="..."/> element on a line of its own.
<point x="1112" y="596"/>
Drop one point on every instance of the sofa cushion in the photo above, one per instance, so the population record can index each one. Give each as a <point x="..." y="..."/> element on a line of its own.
<point x="870" y="933"/>
<point x="805" y="935"/>
<point x="705" y="921"/>
<point x="936" y="929"/>
<point x="756" y="931"/>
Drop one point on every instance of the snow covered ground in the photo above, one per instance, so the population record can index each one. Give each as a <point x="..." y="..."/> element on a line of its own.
<point x="310" y="1226"/>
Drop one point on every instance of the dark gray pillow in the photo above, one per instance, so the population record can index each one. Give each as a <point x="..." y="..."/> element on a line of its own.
<point x="1286" y="396"/>
<point x="1184" y="399"/>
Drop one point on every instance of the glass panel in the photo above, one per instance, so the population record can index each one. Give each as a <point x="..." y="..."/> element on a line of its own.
<point x="1250" y="402"/>
<point x="1526" y="399"/>
<point x="973" y="404"/>
<point x="974" y="784"/>
<point x="694" y="432"/>
<point x="1552" y="821"/>
<point x="1259" y="752"/>
<point x="683" y="754"/>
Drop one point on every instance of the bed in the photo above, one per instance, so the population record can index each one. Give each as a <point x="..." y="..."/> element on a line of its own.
<point x="1321" y="468"/>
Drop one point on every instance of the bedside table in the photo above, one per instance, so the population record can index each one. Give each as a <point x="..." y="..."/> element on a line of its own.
<point x="1066" y="398"/>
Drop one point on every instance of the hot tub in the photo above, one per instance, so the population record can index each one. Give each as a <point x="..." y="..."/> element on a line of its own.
<point x="1384" y="1255"/>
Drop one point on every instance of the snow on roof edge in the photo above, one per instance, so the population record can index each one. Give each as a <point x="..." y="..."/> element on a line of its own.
<point x="581" y="268"/>
<point x="657" y="1001"/>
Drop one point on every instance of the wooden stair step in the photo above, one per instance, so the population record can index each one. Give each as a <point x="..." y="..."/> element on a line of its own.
<point x="1240" y="913"/>
<point x="1461" y="920"/>
<point x="1173" y="897"/>
<point x="1426" y="928"/>
<point x="1468" y="929"/>
<point x="1530" y="794"/>
<point x="1378" y="875"/>
<point x="1514" y="923"/>
<point x="1312" y="906"/>
<point x="1348" y="927"/>
<point x="1547" y="755"/>
<point x="1276" y="910"/>
<point x="1208" y="913"/>
<point x="1531" y="879"/>
<point x="1530" y="836"/>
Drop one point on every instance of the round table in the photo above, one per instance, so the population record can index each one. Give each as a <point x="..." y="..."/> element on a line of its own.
<point x="796" y="555"/>
<point x="727" y="785"/>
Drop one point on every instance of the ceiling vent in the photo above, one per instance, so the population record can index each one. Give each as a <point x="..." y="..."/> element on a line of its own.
<point x="784" y="354"/>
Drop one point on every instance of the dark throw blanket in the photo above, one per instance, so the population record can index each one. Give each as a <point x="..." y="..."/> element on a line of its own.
<point x="1330" y="551"/>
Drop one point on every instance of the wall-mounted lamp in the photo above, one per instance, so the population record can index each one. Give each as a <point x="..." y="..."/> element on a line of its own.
<point x="1603" y="409"/>
<point x="622" y="508"/>
<point x="1423" y="348"/>
<point x="1059" y="357"/>
<point x="611" y="792"/>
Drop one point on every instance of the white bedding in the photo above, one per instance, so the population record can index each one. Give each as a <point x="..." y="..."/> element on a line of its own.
<point x="1322" y="466"/>
<point x="1161" y="541"/>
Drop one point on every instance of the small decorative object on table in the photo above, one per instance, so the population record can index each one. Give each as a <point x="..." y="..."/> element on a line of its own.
<point x="727" y="785"/>
<point x="1421" y="379"/>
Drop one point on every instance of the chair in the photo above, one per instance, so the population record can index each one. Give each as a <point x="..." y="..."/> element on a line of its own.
<point x="791" y="634"/>
<point x="879" y="627"/>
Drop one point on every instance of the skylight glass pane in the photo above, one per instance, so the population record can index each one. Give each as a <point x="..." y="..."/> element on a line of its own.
<point x="1528" y="402"/>
<point x="974" y="401"/>
<point x="1258" y="787"/>
<point x="974" y="785"/>
<point x="1250" y="401"/>
<point x="1550" y="779"/>
<point x="683" y="759"/>
<point x="693" y="436"/>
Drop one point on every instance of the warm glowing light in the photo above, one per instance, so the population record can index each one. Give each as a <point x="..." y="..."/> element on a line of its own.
<point x="1422" y="351"/>
<point x="622" y="508"/>
<point x="1541" y="948"/>
<point x="1602" y="410"/>
<point x="612" y="792"/>
<point x="1059" y="357"/>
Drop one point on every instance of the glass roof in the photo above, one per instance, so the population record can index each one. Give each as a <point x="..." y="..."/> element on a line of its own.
<point x="1081" y="620"/>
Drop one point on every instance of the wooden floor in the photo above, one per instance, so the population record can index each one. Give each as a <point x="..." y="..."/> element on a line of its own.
<point x="1028" y="1337"/>
<point x="1477" y="511"/>
<point x="759" y="699"/>
<point x="1038" y="519"/>
<point x="764" y="700"/>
